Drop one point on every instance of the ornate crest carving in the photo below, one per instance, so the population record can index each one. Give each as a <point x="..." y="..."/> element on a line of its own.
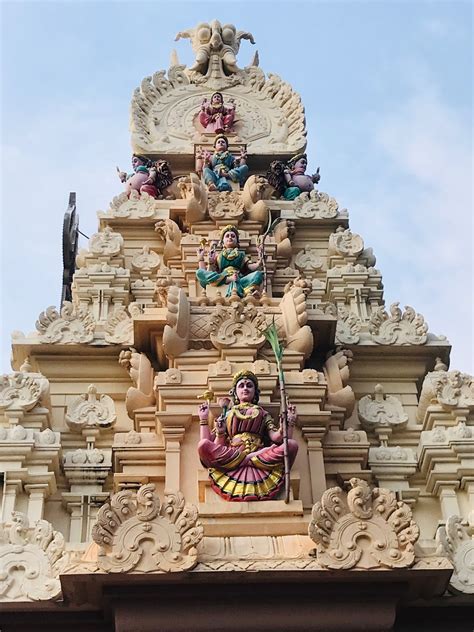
<point x="408" y="328"/>
<point x="348" y="327"/>
<point x="308" y="259"/>
<point x="28" y="556"/>
<point x="238" y="325"/>
<point x="317" y="205"/>
<point x="226" y="207"/>
<point x="119" y="327"/>
<point x="86" y="411"/>
<point x="146" y="261"/>
<point x="22" y="391"/>
<point x="127" y="525"/>
<point x="345" y="243"/>
<point x="381" y="410"/>
<point x="72" y="325"/>
<point x="458" y="545"/>
<point x="341" y="521"/>
<point x="454" y="389"/>
<point x="134" y="206"/>
<point x="106" y="243"/>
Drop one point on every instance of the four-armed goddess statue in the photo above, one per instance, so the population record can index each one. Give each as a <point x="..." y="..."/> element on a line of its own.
<point x="245" y="451"/>
<point x="230" y="266"/>
<point x="216" y="116"/>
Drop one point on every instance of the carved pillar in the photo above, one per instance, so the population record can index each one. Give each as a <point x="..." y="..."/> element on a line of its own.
<point x="314" y="438"/>
<point x="173" y="426"/>
<point x="37" y="493"/>
<point x="448" y="500"/>
<point x="12" y="487"/>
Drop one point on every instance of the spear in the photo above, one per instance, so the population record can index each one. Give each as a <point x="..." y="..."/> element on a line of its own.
<point x="261" y="244"/>
<point x="271" y="335"/>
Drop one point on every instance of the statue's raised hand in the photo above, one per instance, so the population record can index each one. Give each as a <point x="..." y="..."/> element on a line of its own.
<point x="203" y="411"/>
<point x="291" y="414"/>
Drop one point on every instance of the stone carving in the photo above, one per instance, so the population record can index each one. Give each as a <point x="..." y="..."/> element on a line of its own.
<point x="340" y="522"/>
<point x="135" y="205"/>
<point x="226" y="207"/>
<point x="141" y="534"/>
<point x="450" y="389"/>
<point x="348" y="326"/>
<point x="106" y="243"/>
<point x="86" y="411"/>
<point x="299" y="336"/>
<point x="119" y="327"/>
<point x="215" y="40"/>
<point x="141" y="373"/>
<point x="22" y="391"/>
<point x="440" y="434"/>
<point x="392" y="453"/>
<point x="176" y="331"/>
<point x="457" y="543"/>
<point x="146" y="262"/>
<point x="317" y="205"/>
<point x="381" y="410"/>
<point x="308" y="259"/>
<point x="170" y="233"/>
<point x="237" y="326"/>
<point x="408" y="328"/>
<point x="345" y="243"/>
<point x="253" y="195"/>
<point x="195" y="192"/>
<point x="72" y="325"/>
<point x="28" y="560"/>
<point x="283" y="233"/>
<point x="336" y="371"/>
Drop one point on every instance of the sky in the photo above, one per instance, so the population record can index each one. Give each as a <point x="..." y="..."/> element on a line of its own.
<point x="387" y="88"/>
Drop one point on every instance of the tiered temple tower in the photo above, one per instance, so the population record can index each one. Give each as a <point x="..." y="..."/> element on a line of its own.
<point x="113" y="514"/>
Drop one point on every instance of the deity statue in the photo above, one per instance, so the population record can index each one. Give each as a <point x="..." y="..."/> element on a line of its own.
<point x="291" y="180"/>
<point x="221" y="166"/>
<point x="215" y="116"/>
<point x="245" y="452"/>
<point x="147" y="177"/>
<point x="230" y="266"/>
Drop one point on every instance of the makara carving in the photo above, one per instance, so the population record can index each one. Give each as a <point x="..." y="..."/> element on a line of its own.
<point x="365" y="529"/>
<point x="141" y="534"/>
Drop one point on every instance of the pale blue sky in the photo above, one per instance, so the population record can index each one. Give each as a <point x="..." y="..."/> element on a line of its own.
<point x="387" y="88"/>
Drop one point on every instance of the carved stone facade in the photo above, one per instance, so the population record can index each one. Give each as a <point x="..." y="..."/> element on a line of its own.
<point x="154" y="340"/>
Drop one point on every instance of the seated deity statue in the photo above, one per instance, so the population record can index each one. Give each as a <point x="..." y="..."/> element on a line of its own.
<point x="221" y="167"/>
<point x="291" y="180"/>
<point x="147" y="177"/>
<point x="230" y="266"/>
<point x="215" y="116"/>
<point x="245" y="453"/>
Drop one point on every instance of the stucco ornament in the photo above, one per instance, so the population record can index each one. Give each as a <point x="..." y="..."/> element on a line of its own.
<point x="106" y="243"/>
<point x="141" y="394"/>
<point x="348" y="326"/>
<point x="119" y="327"/>
<point x="407" y="328"/>
<point x="136" y="205"/>
<point x="226" y="207"/>
<point x="308" y="259"/>
<point x="22" y="391"/>
<point x="336" y="372"/>
<point x="72" y="325"/>
<point x="142" y="535"/>
<point x="87" y="411"/>
<point x="170" y="233"/>
<point x="345" y="243"/>
<point x="237" y="326"/>
<point x="299" y="336"/>
<point x="146" y="261"/>
<point x="381" y="410"/>
<point x="456" y="541"/>
<point x="316" y="205"/>
<point x="28" y="556"/>
<point x="176" y="331"/>
<point x="364" y="529"/>
<point x="195" y="192"/>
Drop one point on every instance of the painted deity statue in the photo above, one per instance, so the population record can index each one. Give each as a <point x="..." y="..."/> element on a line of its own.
<point x="230" y="266"/>
<point x="244" y="452"/>
<point x="215" y="116"/>
<point x="291" y="179"/>
<point x="221" y="166"/>
<point x="147" y="177"/>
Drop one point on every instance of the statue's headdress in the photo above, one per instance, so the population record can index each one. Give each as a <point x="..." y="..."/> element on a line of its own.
<point x="144" y="159"/>
<point x="218" y="136"/>
<point x="292" y="161"/>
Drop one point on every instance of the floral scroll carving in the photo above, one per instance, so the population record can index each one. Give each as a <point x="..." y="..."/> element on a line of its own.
<point x="348" y="326"/>
<point x="28" y="559"/>
<point x="237" y="325"/>
<point x="22" y="391"/>
<point x="316" y="205"/>
<point x="226" y="207"/>
<point x="381" y="410"/>
<point x="106" y="243"/>
<point x="126" y="522"/>
<point x="458" y="545"/>
<point x="407" y="328"/>
<point x="135" y="205"/>
<point x="345" y="243"/>
<point x="86" y="411"/>
<point x="72" y="325"/>
<point x="340" y="521"/>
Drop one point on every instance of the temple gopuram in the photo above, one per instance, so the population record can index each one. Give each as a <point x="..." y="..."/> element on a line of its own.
<point x="222" y="425"/>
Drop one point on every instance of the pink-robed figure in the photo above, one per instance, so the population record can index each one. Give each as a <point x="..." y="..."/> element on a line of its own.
<point x="143" y="177"/>
<point x="215" y="116"/>
<point x="244" y="452"/>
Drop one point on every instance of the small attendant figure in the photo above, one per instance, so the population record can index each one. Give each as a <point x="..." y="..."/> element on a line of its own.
<point x="215" y="116"/>
<point x="147" y="177"/>
<point x="291" y="180"/>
